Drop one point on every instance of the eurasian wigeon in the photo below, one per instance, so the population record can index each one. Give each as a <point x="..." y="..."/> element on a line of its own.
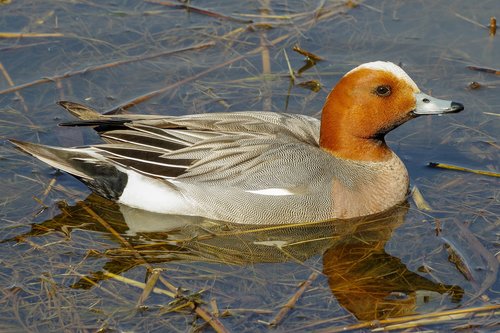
<point x="256" y="167"/>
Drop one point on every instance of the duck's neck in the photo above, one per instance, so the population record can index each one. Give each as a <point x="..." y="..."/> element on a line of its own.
<point x="337" y="138"/>
<point x="357" y="149"/>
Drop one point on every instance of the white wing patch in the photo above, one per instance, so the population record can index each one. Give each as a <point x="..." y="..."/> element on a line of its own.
<point x="273" y="191"/>
<point x="272" y="243"/>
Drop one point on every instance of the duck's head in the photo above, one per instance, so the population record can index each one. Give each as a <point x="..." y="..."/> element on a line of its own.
<point x="367" y="103"/>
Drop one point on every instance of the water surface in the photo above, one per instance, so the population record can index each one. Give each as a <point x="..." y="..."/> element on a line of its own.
<point x="61" y="246"/>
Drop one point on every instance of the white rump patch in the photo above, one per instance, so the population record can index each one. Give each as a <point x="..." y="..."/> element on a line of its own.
<point x="153" y="195"/>
<point x="388" y="67"/>
<point x="272" y="191"/>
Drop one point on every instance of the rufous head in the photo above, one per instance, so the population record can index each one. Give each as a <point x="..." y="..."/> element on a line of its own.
<point x="367" y="103"/>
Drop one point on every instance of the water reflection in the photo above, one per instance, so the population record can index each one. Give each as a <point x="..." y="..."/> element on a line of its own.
<point x="364" y="279"/>
<point x="371" y="283"/>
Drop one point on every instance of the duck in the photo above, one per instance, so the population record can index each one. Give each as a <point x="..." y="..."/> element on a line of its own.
<point x="256" y="167"/>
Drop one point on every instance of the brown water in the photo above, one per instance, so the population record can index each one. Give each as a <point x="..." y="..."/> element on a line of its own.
<point x="58" y="244"/>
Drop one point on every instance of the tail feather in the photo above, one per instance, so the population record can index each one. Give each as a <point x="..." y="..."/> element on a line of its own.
<point x="98" y="174"/>
<point x="59" y="158"/>
<point x="80" y="111"/>
<point x="101" y="122"/>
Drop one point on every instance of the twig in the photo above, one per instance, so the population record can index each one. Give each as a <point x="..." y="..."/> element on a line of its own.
<point x="493" y="26"/>
<point x="106" y="65"/>
<point x="309" y="56"/>
<point x="198" y="10"/>
<point x="293" y="300"/>
<point x="459" y="168"/>
<point x="213" y="321"/>
<point x="215" y="308"/>
<point x="275" y="17"/>
<point x="484" y="69"/>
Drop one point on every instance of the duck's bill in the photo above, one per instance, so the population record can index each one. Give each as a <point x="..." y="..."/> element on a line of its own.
<point x="430" y="105"/>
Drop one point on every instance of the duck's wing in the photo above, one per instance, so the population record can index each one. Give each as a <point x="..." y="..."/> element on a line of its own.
<point x="301" y="127"/>
<point x="205" y="146"/>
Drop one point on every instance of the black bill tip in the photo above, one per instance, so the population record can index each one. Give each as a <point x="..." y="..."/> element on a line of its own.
<point x="456" y="107"/>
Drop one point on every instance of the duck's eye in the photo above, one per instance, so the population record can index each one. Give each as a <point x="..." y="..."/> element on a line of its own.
<point x="383" y="91"/>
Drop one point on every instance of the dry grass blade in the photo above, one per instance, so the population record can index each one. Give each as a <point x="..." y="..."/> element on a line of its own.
<point x="138" y="284"/>
<point x="471" y="21"/>
<point x="290" y="70"/>
<point x="419" y="200"/>
<point x="459" y="168"/>
<point x="49" y="188"/>
<point x="417" y="320"/>
<point x="24" y="46"/>
<point x="149" y="286"/>
<point x="275" y="17"/>
<point x="293" y="300"/>
<point x="29" y="35"/>
<point x="11" y="83"/>
<point x="434" y="321"/>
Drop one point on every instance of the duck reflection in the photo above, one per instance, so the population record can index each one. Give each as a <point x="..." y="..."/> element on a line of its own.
<point x="373" y="284"/>
<point x="365" y="279"/>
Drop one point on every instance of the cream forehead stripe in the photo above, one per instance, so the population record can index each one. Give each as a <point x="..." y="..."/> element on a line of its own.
<point x="388" y="67"/>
